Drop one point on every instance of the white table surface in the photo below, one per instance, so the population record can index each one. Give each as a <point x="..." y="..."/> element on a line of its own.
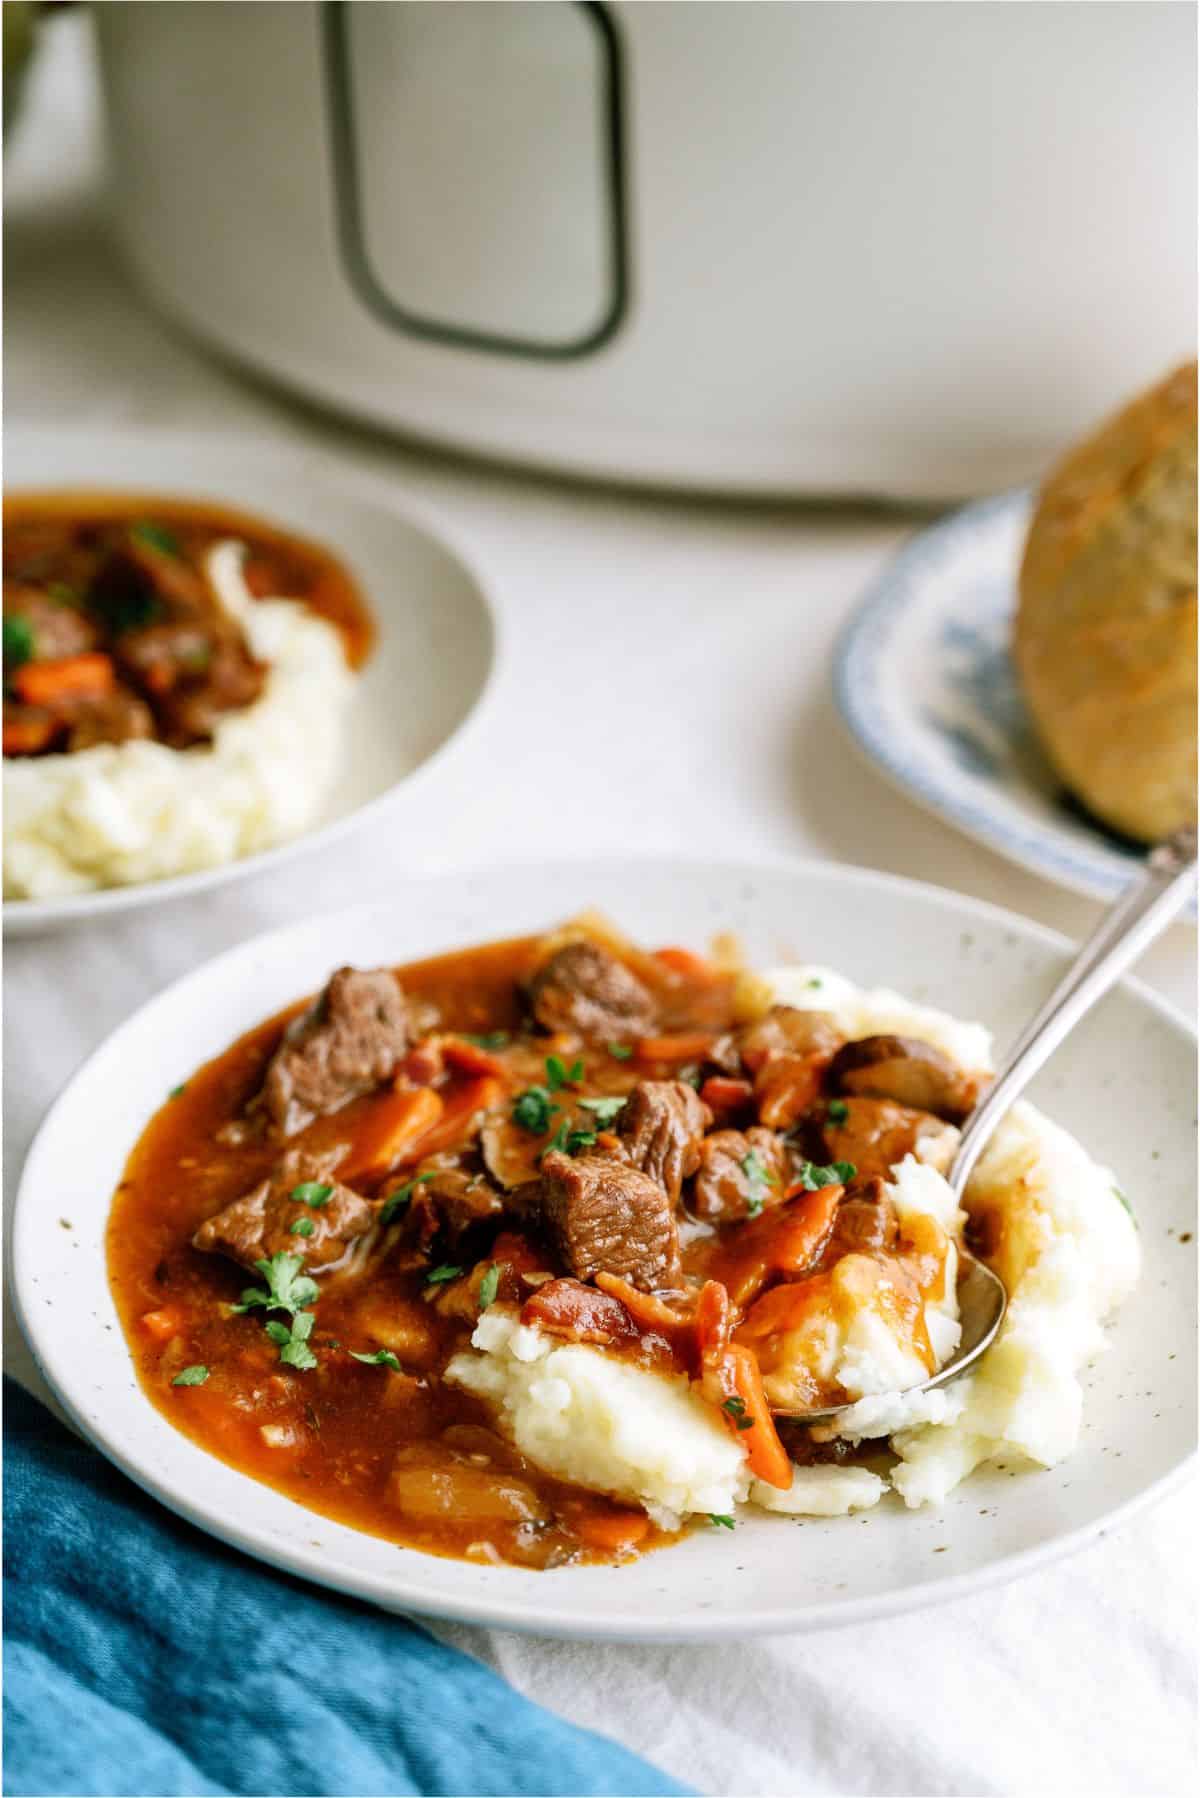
<point x="1077" y="1679"/>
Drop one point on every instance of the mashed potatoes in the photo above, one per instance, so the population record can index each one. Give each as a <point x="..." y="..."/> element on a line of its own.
<point x="1057" y="1231"/>
<point x="122" y="813"/>
<point x="604" y="1423"/>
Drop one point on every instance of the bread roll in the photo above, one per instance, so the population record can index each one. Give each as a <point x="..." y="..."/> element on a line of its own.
<point x="1106" y="627"/>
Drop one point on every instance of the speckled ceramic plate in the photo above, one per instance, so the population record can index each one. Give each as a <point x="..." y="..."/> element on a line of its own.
<point x="924" y="680"/>
<point x="1124" y="1084"/>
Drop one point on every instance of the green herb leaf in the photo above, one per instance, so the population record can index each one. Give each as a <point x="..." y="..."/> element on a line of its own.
<point x="620" y="1051"/>
<point x="533" y="1109"/>
<point x="838" y="1111"/>
<point x="398" y="1199"/>
<point x="177" y="1091"/>
<point x="278" y="1332"/>
<point x="191" y="1376"/>
<point x="303" y="1226"/>
<point x="1118" y="1194"/>
<point x="297" y="1354"/>
<point x="578" y="1140"/>
<point x="287" y="1287"/>
<point x="18" y="641"/>
<point x="838" y="1173"/>
<point x="603" y="1110"/>
<point x="720" y="1523"/>
<point x="815" y="982"/>
<point x="155" y="536"/>
<point x="439" y="1275"/>
<point x="558" y="1074"/>
<point x="759" y="1179"/>
<point x="489" y="1286"/>
<point x="312" y="1192"/>
<point x="381" y="1358"/>
<point x="489" y="1039"/>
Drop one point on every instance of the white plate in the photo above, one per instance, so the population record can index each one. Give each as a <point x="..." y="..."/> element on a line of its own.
<point x="1124" y="1084"/>
<point x="924" y="680"/>
<point x="437" y="633"/>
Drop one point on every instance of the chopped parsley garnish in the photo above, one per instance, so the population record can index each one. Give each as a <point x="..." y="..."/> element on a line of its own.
<point x="815" y="982"/>
<point x="603" y="1110"/>
<point x="177" y="1091"/>
<point x="439" y="1275"/>
<point x="288" y="1287"/>
<point x="293" y="1343"/>
<point x="398" y="1199"/>
<point x="303" y="1226"/>
<point x="720" y="1523"/>
<point x="736" y="1408"/>
<point x="812" y="1178"/>
<point x="533" y="1110"/>
<point x="191" y="1376"/>
<point x="312" y="1192"/>
<point x="759" y="1179"/>
<point x="838" y="1111"/>
<point x="381" y="1358"/>
<point x="558" y="1074"/>
<point x="18" y="641"/>
<point x="489" y="1039"/>
<point x="1118" y="1194"/>
<point x="692" y="1076"/>
<point x="567" y="1141"/>
<point x="620" y="1051"/>
<point x="155" y="536"/>
<point x="489" y="1286"/>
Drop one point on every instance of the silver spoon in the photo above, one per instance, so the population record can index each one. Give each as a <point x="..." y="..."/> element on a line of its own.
<point x="1140" y="915"/>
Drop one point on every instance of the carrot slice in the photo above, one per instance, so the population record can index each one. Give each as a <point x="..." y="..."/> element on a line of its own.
<point x="65" y="678"/>
<point x="482" y="1093"/>
<point x="684" y="961"/>
<point x="28" y="732"/>
<point x="162" y="1325"/>
<point x="469" y="1058"/>
<point x="392" y="1125"/>
<point x="613" y="1532"/>
<point x="804" y="1227"/>
<point x="765" y="1453"/>
<point x="674" y="1048"/>
<point x="724" y="1095"/>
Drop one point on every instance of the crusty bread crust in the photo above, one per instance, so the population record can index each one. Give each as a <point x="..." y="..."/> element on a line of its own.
<point x="1105" y="639"/>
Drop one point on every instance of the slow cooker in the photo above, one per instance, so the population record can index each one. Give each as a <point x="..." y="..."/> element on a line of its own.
<point x="893" y="249"/>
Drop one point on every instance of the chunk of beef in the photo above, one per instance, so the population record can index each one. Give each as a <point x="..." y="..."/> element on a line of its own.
<point x="56" y="629"/>
<point x="741" y="1173"/>
<point x="788" y="1052"/>
<point x="29" y="729"/>
<point x="228" y="680"/>
<point x="866" y="1219"/>
<point x="137" y="583"/>
<point x="904" y="1069"/>
<point x="609" y="1217"/>
<point x="452" y="1202"/>
<point x="120" y="717"/>
<point x="260" y="1224"/>
<point x="586" y="990"/>
<point x="347" y="1043"/>
<point x="662" y="1126"/>
<point x="160" y="656"/>
<point x="875" y="1134"/>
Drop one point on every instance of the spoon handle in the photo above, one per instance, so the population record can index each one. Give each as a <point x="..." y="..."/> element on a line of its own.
<point x="1122" y="936"/>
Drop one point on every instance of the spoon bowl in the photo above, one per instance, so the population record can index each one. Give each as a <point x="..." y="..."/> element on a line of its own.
<point x="982" y="1303"/>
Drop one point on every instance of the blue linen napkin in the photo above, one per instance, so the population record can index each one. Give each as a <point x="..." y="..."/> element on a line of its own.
<point x="142" y="1657"/>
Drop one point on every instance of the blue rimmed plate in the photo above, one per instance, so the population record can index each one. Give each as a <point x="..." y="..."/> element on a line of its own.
<point x="924" y="680"/>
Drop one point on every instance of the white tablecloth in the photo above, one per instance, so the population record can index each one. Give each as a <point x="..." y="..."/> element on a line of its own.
<point x="1077" y="1679"/>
